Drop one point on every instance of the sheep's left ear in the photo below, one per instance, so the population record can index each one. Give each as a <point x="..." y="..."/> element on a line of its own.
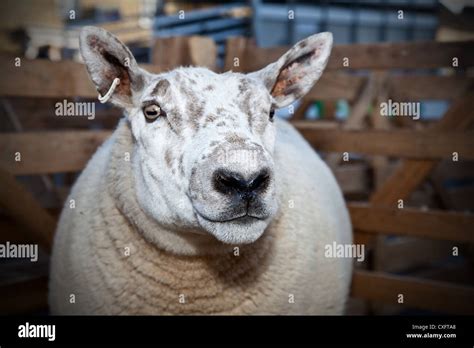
<point x="293" y="75"/>
<point x="107" y="58"/>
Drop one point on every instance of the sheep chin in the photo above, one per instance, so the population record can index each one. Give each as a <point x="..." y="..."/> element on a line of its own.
<point x="244" y="230"/>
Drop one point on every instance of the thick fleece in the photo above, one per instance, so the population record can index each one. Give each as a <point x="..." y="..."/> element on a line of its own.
<point x="103" y="264"/>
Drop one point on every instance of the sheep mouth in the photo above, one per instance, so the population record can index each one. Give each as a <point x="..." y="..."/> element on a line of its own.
<point x="241" y="219"/>
<point x="240" y="228"/>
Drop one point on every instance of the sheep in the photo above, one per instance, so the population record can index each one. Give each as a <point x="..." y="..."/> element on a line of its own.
<point x="201" y="201"/>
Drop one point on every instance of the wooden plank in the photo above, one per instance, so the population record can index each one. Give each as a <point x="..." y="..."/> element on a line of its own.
<point x="405" y="254"/>
<point x="42" y="78"/>
<point x="352" y="178"/>
<point x="409" y="174"/>
<point x="21" y="206"/>
<point x="421" y="87"/>
<point x="24" y="296"/>
<point x="434" y="224"/>
<point x="235" y="50"/>
<point x="172" y="52"/>
<point x="417" y="293"/>
<point x="400" y="143"/>
<point x="404" y="55"/>
<point x="335" y="85"/>
<point x="357" y="116"/>
<point x="49" y="152"/>
<point x="68" y="79"/>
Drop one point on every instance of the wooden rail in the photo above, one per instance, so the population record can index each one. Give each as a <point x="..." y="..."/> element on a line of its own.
<point x="433" y="224"/>
<point x="36" y="148"/>
<point x="33" y="79"/>
<point x="406" y="55"/>
<point x="417" y="293"/>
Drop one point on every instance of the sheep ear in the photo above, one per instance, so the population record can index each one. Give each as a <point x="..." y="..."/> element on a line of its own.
<point x="107" y="58"/>
<point x="295" y="73"/>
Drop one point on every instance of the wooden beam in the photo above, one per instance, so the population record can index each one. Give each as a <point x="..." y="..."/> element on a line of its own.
<point x="409" y="174"/>
<point x="405" y="254"/>
<point x="399" y="143"/>
<point x="67" y="79"/>
<point x="352" y="178"/>
<point x="335" y="86"/>
<point x="21" y="206"/>
<point x="434" y="224"/>
<point x="43" y="78"/>
<point x="421" y="87"/>
<point x="49" y="152"/>
<point x="235" y="50"/>
<point x="172" y="52"/>
<point x="24" y="296"/>
<point x="417" y="293"/>
<point x="404" y="55"/>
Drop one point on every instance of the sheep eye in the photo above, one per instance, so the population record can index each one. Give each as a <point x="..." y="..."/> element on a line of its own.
<point x="271" y="115"/>
<point x="152" y="112"/>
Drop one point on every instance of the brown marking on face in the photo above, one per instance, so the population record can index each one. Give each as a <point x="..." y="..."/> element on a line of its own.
<point x="180" y="164"/>
<point x="195" y="111"/>
<point x="161" y="88"/>
<point x="174" y="118"/>
<point x="195" y="108"/>
<point x="244" y="105"/>
<point x="234" y="138"/>
<point x="168" y="158"/>
<point x="209" y="119"/>
<point x="194" y="105"/>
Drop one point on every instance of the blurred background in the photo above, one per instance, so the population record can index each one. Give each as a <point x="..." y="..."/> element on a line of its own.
<point x="49" y="28"/>
<point x="418" y="51"/>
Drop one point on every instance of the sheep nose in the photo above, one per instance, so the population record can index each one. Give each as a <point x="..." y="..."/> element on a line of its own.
<point x="228" y="182"/>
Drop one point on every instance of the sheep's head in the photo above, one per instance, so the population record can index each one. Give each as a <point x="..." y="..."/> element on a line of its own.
<point x="204" y="142"/>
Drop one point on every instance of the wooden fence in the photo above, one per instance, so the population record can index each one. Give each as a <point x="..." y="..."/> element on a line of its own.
<point x="65" y="151"/>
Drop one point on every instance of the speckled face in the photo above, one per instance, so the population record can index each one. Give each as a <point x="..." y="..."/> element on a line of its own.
<point x="204" y="142"/>
<point x="209" y="152"/>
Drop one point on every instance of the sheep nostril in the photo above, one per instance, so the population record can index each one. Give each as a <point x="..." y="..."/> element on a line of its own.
<point x="233" y="183"/>
<point x="260" y="181"/>
<point x="227" y="182"/>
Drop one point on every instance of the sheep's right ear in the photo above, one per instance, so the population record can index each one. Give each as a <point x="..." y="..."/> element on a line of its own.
<point x="107" y="58"/>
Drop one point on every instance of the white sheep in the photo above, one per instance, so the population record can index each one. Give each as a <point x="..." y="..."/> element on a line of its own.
<point x="201" y="201"/>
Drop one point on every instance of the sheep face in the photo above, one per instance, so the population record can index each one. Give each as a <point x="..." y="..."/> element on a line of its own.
<point x="204" y="142"/>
